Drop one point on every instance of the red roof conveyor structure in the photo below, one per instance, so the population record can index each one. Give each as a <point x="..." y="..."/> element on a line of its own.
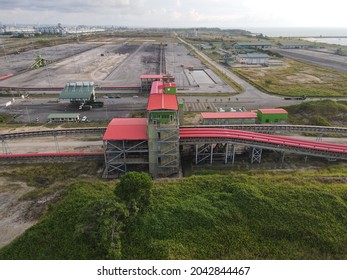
<point x="220" y="133"/>
<point x="162" y="102"/>
<point x="126" y="129"/>
<point x="158" y="100"/>
<point x="47" y="155"/>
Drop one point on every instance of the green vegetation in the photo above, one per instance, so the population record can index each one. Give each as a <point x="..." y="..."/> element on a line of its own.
<point x="323" y="112"/>
<point x="253" y="215"/>
<point x="52" y="178"/>
<point x="296" y="79"/>
<point x="5" y="118"/>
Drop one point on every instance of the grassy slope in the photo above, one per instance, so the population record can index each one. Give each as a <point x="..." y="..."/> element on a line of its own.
<point x="325" y="112"/>
<point x="55" y="236"/>
<point x="235" y="216"/>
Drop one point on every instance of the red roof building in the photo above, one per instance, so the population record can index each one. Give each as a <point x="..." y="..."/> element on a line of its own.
<point x="126" y="129"/>
<point x="159" y="76"/>
<point x="162" y="102"/>
<point x="212" y="118"/>
<point x="157" y="87"/>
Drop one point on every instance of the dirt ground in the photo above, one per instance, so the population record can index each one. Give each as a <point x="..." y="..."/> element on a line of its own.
<point x="108" y="64"/>
<point x="14" y="213"/>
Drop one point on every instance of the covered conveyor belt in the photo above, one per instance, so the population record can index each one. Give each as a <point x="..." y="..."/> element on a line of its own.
<point x="262" y="141"/>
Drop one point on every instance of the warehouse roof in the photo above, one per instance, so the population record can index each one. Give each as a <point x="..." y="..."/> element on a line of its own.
<point x="229" y="115"/>
<point x="253" y="55"/>
<point x="273" y="111"/>
<point x="126" y="129"/>
<point x="253" y="44"/>
<point x="78" y="90"/>
<point x="162" y="102"/>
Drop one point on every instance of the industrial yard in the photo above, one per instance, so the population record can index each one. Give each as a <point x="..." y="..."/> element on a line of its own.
<point x="133" y="129"/>
<point x="109" y="65"/>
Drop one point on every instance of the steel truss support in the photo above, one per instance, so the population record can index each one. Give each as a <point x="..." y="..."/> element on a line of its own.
<point x="220" y="152"/>
<point x="120" y="154"/>
<point x="56" y="143"/>
<point x="256" y="155"/>
<point x="202" y="153"/>
<point x="5" y="147"/>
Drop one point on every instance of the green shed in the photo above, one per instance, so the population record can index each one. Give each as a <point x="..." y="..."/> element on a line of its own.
<point x="272" y="116"/>
<point x="69" y="117"/>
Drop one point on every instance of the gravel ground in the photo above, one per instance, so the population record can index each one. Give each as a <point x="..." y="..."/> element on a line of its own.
<point x="110" y="65"/>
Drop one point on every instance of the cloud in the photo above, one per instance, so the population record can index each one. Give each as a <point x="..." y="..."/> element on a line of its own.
<point x="171" y="13"/>
<point x="68" y="6"/>
<point x="222" y="18"/>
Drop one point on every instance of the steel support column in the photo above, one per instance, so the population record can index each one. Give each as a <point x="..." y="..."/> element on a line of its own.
<point x="5" y="147"/>
<point x="56" y="144"/>
<point x="256" y="155"/>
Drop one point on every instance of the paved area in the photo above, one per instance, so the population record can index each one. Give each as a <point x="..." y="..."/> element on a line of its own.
<point x="323" y="59"/>
<point x="37" y="110"/>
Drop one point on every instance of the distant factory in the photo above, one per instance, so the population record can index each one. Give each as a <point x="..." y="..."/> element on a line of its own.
<point x="47" y="29"/>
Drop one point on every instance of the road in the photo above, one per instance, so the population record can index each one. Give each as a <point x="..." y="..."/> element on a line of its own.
<point x="326" y="60"/>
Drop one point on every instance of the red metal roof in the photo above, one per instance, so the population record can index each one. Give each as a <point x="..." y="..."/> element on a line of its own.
<point x="167" y="85"/>
<point x="273" y="111"/>
<point x="229" y="115"/>
<point x="126" y="129"/>
<point x="157" y="87"/>
<point x="160" y="76"/>
<point x="162" y="102"/>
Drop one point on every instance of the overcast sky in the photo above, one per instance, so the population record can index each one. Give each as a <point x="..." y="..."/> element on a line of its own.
<point x="178" y="13"/>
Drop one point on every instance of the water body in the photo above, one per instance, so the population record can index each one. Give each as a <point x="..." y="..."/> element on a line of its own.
<point x="298" y="31"/>
<point x="335" y="41"/>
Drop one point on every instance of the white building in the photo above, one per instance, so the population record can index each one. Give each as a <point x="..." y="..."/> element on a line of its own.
<point x="253" y="58"/>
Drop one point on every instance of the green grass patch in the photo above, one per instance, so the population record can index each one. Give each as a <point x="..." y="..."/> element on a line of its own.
<point x="51" y="177"/>
<point x="250" y="215"/>
<point x="296" y="79"/>
<point x="5" y="118"/>
<point x="323" y="113"/>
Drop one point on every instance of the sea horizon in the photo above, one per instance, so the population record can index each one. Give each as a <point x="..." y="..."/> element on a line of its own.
<point x="299" y="31"/>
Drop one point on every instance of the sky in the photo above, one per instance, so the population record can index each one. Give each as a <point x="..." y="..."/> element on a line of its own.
<point x="177" y="13"/>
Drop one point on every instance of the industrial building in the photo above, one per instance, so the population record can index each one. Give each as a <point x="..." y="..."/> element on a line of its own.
<point x="272" y="116"/>
<point x="125" y="146"/>
<point x="252" y="45"/>
<point x="78" y="91"/>
<point x="217" y="118"/>
<point x="147" y="144"/>
<point x="147" y="81"/>
<point x="69" y="117"/>
<point x="253" y="58"/>
<point x="81" y="95"/>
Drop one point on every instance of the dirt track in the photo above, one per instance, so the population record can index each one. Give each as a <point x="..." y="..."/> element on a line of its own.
<point x="14" y="213"/>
